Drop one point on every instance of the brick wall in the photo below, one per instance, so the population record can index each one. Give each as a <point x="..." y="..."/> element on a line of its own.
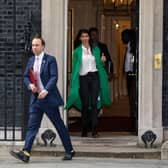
<point x="165" y="65"/>
<point x="15" y="15"/>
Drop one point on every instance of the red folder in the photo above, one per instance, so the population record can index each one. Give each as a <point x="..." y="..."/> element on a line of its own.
<point x="32" y="76"/>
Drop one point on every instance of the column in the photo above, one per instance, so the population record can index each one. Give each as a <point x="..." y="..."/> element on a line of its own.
<point x="54" y="31"/>
<point x="150" y="78"/>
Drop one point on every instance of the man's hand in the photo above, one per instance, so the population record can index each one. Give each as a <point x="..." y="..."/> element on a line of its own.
<point x="42" y="94"/>
<point x="33" y="88"/>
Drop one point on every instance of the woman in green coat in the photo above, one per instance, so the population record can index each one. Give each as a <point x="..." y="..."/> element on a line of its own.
<point x="89" y="84"/>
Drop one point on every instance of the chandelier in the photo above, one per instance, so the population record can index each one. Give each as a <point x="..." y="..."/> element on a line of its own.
<point x="117" y="3"/>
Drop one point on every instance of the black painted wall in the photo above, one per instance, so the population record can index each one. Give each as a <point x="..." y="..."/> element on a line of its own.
<point x="18" y="18"/>
<point x="165" y="64"/>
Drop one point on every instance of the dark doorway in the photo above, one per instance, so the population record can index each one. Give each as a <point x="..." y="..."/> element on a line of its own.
<point x="165" y="65"/>
<point x="111" y="19"/>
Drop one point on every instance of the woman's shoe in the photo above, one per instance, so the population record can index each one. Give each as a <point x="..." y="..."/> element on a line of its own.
<point x="95" y="135"/>
<point x="84" y="134"/>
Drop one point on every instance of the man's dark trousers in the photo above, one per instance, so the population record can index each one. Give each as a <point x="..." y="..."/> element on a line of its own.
<point x="36" y="112"/>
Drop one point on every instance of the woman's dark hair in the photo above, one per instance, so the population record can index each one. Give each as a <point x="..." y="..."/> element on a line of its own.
<point x="77" y="40"/>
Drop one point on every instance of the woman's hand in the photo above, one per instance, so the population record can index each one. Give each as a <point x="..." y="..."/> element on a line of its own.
<point x="103" y="58"/>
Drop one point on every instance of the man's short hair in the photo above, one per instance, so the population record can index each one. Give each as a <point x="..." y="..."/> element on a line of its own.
<point x="38" y="36"/>
<point x="93" y="29"/>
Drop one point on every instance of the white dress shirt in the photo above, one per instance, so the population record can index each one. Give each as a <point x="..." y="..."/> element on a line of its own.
<point x="129" y="60"/>
<point x="88" y="62"/>
<point x="36" y="68"/>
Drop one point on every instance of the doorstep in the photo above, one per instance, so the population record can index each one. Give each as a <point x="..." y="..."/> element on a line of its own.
<point x="112" y="146"/>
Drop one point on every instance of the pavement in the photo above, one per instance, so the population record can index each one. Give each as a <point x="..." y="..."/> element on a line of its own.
<point x="81" y="162"/>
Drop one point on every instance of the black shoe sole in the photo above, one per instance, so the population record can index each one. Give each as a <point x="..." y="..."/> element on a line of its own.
<point x="67" y="159"/>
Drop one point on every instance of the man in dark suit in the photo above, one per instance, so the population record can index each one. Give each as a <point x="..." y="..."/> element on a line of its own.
<point x="129" y="39"/>
<point x="103" y="51"/>
<point x="45" y="97"/>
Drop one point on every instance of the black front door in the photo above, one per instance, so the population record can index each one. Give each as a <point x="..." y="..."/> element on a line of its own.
<point x="18" y="20"/>
<point x="165" y="64"/>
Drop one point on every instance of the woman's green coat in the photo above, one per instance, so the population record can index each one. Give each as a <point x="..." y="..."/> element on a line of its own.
<point x="104" y="92"/>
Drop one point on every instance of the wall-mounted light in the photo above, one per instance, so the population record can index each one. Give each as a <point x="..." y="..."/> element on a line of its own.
<point x="116" y="25"/>
<point x="117" y="3"/>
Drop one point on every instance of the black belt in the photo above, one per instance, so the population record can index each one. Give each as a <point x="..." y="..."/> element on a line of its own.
<point x="90" y="74"/>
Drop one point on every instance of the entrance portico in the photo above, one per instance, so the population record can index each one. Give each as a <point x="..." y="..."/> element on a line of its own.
<point x="54" y="31"/>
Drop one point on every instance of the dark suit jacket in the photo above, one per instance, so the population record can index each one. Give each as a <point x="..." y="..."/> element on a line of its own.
<point x="49" y="77"/>
<point x="103" y="49"/>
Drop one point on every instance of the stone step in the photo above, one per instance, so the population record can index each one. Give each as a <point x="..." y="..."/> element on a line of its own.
<point x="118" y="152"/>
<point x="114" y="147"/>
<point x="106" y="141"/>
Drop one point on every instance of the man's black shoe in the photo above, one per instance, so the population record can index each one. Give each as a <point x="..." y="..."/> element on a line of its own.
<point x="73" y="153"/>
<point x="21" y="155"/>
<point x="67" y="156"/>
